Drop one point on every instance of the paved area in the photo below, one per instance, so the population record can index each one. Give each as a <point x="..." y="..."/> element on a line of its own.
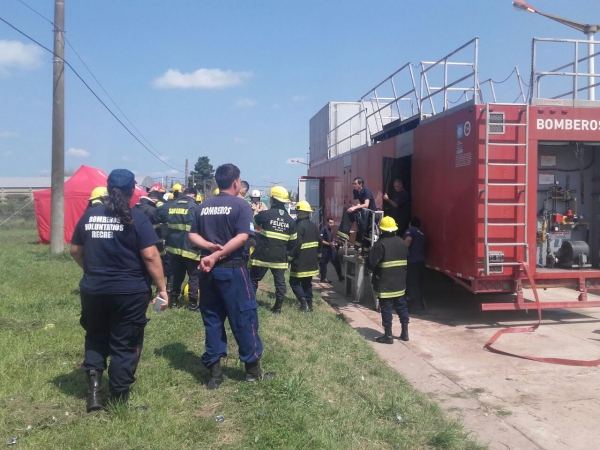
<point x="508" y="403"/>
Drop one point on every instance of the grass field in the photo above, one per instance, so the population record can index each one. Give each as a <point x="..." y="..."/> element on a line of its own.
<point x="331" y="390"/>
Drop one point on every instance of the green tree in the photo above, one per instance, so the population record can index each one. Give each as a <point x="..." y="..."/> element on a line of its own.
<point x="203" y="173"/>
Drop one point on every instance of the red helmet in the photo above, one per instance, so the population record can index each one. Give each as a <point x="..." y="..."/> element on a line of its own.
<point x="157" y="187"/>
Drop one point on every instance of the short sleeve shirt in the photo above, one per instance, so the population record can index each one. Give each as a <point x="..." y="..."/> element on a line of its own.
<point x="416" y="249"/>
<point x="364" y="194"/>
<point x="112" y="263"/>
<point x="222" y="217"/>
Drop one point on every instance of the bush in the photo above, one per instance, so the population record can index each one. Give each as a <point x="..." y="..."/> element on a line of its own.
<point x="17" y="214"/>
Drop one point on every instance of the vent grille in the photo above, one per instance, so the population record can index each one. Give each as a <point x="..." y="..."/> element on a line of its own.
<point x="496" y="123"/>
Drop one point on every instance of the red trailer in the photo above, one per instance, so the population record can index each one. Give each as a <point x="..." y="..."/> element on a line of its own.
<point x="494" y="184"/>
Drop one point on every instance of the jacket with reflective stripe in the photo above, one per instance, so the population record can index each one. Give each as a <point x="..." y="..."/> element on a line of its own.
<point x="178" y="214"/>
<point x="388" y="261"/>
<point x="277" y="228"/>
<point x="304" y="255"/>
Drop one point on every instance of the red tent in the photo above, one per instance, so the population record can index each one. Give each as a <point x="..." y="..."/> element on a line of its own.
<point x="77" y="193"/>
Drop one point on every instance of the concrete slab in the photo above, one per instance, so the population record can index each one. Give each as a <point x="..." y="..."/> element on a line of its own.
<point x="506" y="402"/>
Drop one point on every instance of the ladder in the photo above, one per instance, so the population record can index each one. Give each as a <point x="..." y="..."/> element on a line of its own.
<point x="492" y="149"/>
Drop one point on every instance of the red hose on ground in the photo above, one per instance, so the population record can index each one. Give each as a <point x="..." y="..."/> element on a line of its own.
<point x="564" y="362"/>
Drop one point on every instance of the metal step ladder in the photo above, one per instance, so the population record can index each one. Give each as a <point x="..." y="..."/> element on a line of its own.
<point x="492" y="259"/>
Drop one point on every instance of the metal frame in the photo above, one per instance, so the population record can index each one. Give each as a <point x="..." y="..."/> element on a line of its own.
<point x="487" y="184"/>
<point x="537" y="75"/>
<point x="493" y="91"/>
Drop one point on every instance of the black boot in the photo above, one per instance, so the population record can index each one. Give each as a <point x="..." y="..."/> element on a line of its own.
<point x="93" y="400"/>
<point x="309" y="303"/>
<point x="404" y="333"/>
<point x="277" y="306"/>
<point x="387" y="337"/>
<point x="253" y="373"/>
<point x="303" y="305"/>
<point x="193" y="306"/>
<point x="173" y="301"/>
<point x="216" y="376"/>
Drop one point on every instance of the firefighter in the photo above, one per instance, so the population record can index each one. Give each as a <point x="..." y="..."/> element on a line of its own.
<point x="388" y="262"/>
<point x="329" y="252"/>
<point x="176" y="190"/>
<point x="179" y="214"/>
<point x="401" y="205"/>
<point x="221" y="226"/>
<point x="99" y="196"/>
<point x="255" y="202"/>
<point x="199" y="199"/>
<point x="116" y="248"/>
<point x="304" y="256"/>
<point x="158" y="191"/>
<point x="277" y="229"/>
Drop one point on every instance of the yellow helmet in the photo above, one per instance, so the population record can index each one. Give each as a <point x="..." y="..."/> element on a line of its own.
<point x="280" y="193"/>
<point x="177" y="188"/>
<point x="217" y="191"/>
<point x="199" y="198"/>
<point x="303" y="205"/>
<point x="171" y="196"/>
<point x="99" y="192"/>
<point x="388" y="224"/>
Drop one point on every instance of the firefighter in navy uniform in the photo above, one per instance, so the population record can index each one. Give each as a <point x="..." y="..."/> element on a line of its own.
<point x="388" y="262"/>
<point x="161" y="230"/>
<point x="221" y="227"/>
<point x="115" y="291"/>
<point x="304" y="256"/>
<point x="179" y="215"/>
<point x="277" y="229"/>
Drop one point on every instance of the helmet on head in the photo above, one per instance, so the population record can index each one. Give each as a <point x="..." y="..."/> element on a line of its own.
<point x="388" y="224"/>
<point x="157" y="187"/>
<point x="199" y="198"/>
<point x="99" y="192"/>
<point x="280" y="193"/>
<point x="171" y="197"/>
<point x="177" y="188"/>
<point x="255" y="194"/>
<point x="217" y="191"/>
<point x="303" y="205"/>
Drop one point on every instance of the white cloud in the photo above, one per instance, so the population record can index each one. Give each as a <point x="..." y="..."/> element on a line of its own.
<point x="78" y="152"/>
<point x="239" y="141"/>
<point x="16" y="55"/>
<point x="245" y="103"/>
<point x="299" y="98"/>
<point x="164" y="158"/>
<point x="296" y="161"/>
<point x="200" y="79"/>
<point x="276" y="107"/>
<point x="8" y="134"/>
<point x="172" y="172"/>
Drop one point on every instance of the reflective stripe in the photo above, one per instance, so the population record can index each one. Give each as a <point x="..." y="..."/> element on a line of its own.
<point x="309" y="245"/>
<point x="392" y="294"/>
<point x="184" y="253"/>
<point x="180" y="226"/>
<point x="293" y="237"/>
<point x="310" y="273"/>
<point x="343" y="235"/>
<point x="157" y="225"/>
<point x="270" y="265"/>
<point x="275" y="235"/>
<point x="396" y="263"/>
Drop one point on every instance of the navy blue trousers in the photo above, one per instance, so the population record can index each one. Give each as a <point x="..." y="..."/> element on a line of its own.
<point x="180" y="266"/>
<point x="329" y="254"/>
<point x="302" y="287"/>
<point x="258" y="273"/>
<point x="227" y="293"/>
<point x="387" y="305"/>
<point x="114" y="326"/>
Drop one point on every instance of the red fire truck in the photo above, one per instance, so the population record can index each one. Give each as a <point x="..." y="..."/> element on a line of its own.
<point x="495" y="184"/>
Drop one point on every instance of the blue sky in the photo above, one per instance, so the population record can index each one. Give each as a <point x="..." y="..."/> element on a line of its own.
<point x="236" y="81"/>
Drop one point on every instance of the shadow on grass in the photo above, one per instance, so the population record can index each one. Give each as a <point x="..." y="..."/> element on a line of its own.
<point x="180" y="358"/>
<point x="72" y="383"/>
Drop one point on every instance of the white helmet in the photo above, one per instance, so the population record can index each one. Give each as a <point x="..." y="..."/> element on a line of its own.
<point x="255" y="194"/>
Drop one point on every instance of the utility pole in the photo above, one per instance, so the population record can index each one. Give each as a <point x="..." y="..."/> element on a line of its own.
<point x="57" y="180"/>
<point x="166" y="182"/>
<point x="186" y="173"/>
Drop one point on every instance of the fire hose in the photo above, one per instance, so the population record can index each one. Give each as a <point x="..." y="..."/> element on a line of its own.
<point x="564" y="362"/>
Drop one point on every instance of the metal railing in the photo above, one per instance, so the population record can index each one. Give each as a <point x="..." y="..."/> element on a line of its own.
<point x="575" y="73"/>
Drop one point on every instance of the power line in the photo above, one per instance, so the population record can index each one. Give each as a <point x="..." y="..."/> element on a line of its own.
<point x="97" y="81"/>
